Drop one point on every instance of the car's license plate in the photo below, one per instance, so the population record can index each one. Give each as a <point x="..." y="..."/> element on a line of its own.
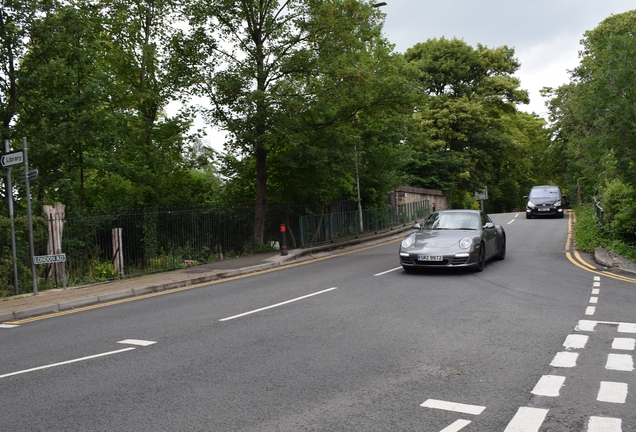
<point x="430" y="258"/>
<point x="544" y="209"/>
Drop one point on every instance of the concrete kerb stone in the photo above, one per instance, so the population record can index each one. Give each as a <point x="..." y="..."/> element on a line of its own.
<point x="7" y="317"/>
<point x="41" y="310"/>
<point x="115" y="296"/>
<point x="72" y="304"/>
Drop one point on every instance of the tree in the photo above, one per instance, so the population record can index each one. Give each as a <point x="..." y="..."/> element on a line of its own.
<point x="467" y="96"/>
<point x="264" y="59"/>
<point x="593" y="116"/>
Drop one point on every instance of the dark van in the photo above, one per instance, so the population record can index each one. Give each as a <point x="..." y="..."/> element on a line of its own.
<point x="544" y="201"/>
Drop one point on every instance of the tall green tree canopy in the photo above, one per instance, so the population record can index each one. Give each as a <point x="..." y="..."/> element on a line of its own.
<point x="593" y="116"/>
<point x="268" y="66"/>
<point x="468" y="99"/>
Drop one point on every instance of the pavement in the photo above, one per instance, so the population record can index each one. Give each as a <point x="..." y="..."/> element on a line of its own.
<point x="21" y="307"/>
<point x="51" y="301"/>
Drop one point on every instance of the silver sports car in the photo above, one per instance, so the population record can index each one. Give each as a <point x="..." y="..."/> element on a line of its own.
<point x="453" y="238"/>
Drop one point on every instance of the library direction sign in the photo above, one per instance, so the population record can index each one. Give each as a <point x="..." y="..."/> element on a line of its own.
<point x="49" y="259"/>
<point x="12" y="158"/>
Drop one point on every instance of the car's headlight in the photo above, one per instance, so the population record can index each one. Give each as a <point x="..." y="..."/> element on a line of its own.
<point x="557" y="204"/>
<point x="465" y="242"/>
<point x="408" y="241"/>
<point x="530" y="204"/>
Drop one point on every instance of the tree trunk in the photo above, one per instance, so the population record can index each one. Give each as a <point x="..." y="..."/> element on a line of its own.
<point x="55" y="218"/>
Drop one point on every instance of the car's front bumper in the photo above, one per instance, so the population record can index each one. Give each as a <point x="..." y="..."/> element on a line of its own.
<point x="461" y="259"/>
<point x="544" y="211"/>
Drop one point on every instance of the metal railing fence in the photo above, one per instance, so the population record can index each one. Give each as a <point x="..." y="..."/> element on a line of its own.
<point x="109" y="246"/>
<point x="325" y="228"/>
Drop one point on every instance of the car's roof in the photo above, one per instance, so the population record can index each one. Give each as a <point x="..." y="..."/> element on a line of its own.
<point x="459" y="211"/>
<point x="545" y="187"/>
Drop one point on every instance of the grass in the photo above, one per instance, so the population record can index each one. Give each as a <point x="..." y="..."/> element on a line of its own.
<point x="588" y="235"/>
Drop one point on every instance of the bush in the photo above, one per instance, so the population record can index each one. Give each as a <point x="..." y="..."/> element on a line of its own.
<point x="619" y="203"/>
<point x="588" y="235"/>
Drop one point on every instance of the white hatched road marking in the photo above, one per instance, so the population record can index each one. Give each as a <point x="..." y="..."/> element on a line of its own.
<point x="527" y="420"/>
<point x="575" y="341"/>
<point x="564" y="359"/>
<point x="604" y="424"/>
<point x="549" y="385"/>
<point x="627" y="344"/>
<point x="453" y="406"/>
<point x="620" y="362"/>
<point x="457" y="426"/>
<point x="612" y="392"/>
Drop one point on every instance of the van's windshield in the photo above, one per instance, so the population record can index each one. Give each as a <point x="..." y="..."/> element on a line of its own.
<point x="544" y="193"/>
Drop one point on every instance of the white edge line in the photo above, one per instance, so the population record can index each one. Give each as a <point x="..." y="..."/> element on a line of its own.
<point x="388" y="271"/>
<point x="66" y="362"/>
<point x="277" y="304"/>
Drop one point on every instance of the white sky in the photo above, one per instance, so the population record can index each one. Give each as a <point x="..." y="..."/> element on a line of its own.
<point x="545" y="34"/>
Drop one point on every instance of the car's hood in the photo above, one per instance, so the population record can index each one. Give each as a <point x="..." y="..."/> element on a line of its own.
<point x="440" y="238"/>
<point x="541" y="201"/>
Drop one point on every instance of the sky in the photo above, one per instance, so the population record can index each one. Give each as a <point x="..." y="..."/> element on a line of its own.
<point x="545" y="34"/>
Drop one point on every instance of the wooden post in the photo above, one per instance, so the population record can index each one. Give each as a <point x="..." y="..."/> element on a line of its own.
<point x="118" y="253"/>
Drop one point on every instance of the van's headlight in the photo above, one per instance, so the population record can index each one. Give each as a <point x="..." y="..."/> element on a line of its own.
<point x="530" y="204"/>
<point x="408" y="241"/>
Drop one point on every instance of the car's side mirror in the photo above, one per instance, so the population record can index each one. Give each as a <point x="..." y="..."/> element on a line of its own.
<point x="525" y="197"/>
<point x="417" y="226"/>
<point x="489" y="225"/>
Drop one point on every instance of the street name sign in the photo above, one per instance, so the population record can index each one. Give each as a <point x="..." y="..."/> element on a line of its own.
<point x="49" y="259"/>
<point x="12" y="158"/>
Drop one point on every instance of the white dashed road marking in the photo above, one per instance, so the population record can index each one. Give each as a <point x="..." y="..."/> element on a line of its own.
<point x="453" y="406"/>
<point x="604" y="424"/>
<point x="627" y="344"/>
<point x="612" y="392"/>
<point x="457" y="426"/>
<point x="565" y="359"/>
<point x="8" y="326"/>
<point x="620" y="362"/>
<point x="527" y="420"/>
<point x="549" y="385"/>
<point x="575" y="341"/>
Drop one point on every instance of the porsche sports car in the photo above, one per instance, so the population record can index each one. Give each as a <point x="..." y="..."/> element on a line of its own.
<point x="453" y="238"/>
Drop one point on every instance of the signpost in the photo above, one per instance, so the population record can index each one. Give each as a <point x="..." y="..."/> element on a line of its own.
<point x="12" y="158"/>
<point x="481" y="196"/>
<point x="49" y="259"/>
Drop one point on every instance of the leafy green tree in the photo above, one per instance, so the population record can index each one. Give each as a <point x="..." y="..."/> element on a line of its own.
<point x="593" y="115"/>
<point x="468" y="99"/>
<point x="265" y="64"/>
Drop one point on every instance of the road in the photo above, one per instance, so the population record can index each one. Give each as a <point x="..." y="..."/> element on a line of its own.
<point x="346" y="343"/>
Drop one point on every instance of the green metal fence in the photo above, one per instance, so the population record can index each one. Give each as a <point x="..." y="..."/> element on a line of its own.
<point x="325" y="228"/>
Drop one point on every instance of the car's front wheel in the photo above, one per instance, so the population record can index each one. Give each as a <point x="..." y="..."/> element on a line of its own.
<point x="502" y="249"/>
<point x="481" y="258"/>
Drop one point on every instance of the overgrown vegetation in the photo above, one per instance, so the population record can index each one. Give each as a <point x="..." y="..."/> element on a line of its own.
<point x="588" y="235"/>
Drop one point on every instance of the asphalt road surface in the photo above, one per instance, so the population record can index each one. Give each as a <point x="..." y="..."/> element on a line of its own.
<point x="347" y="343"/>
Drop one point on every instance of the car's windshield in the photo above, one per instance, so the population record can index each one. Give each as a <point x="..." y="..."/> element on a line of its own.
<point x="544" y="193"/>
<point x="466" y="221"/>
